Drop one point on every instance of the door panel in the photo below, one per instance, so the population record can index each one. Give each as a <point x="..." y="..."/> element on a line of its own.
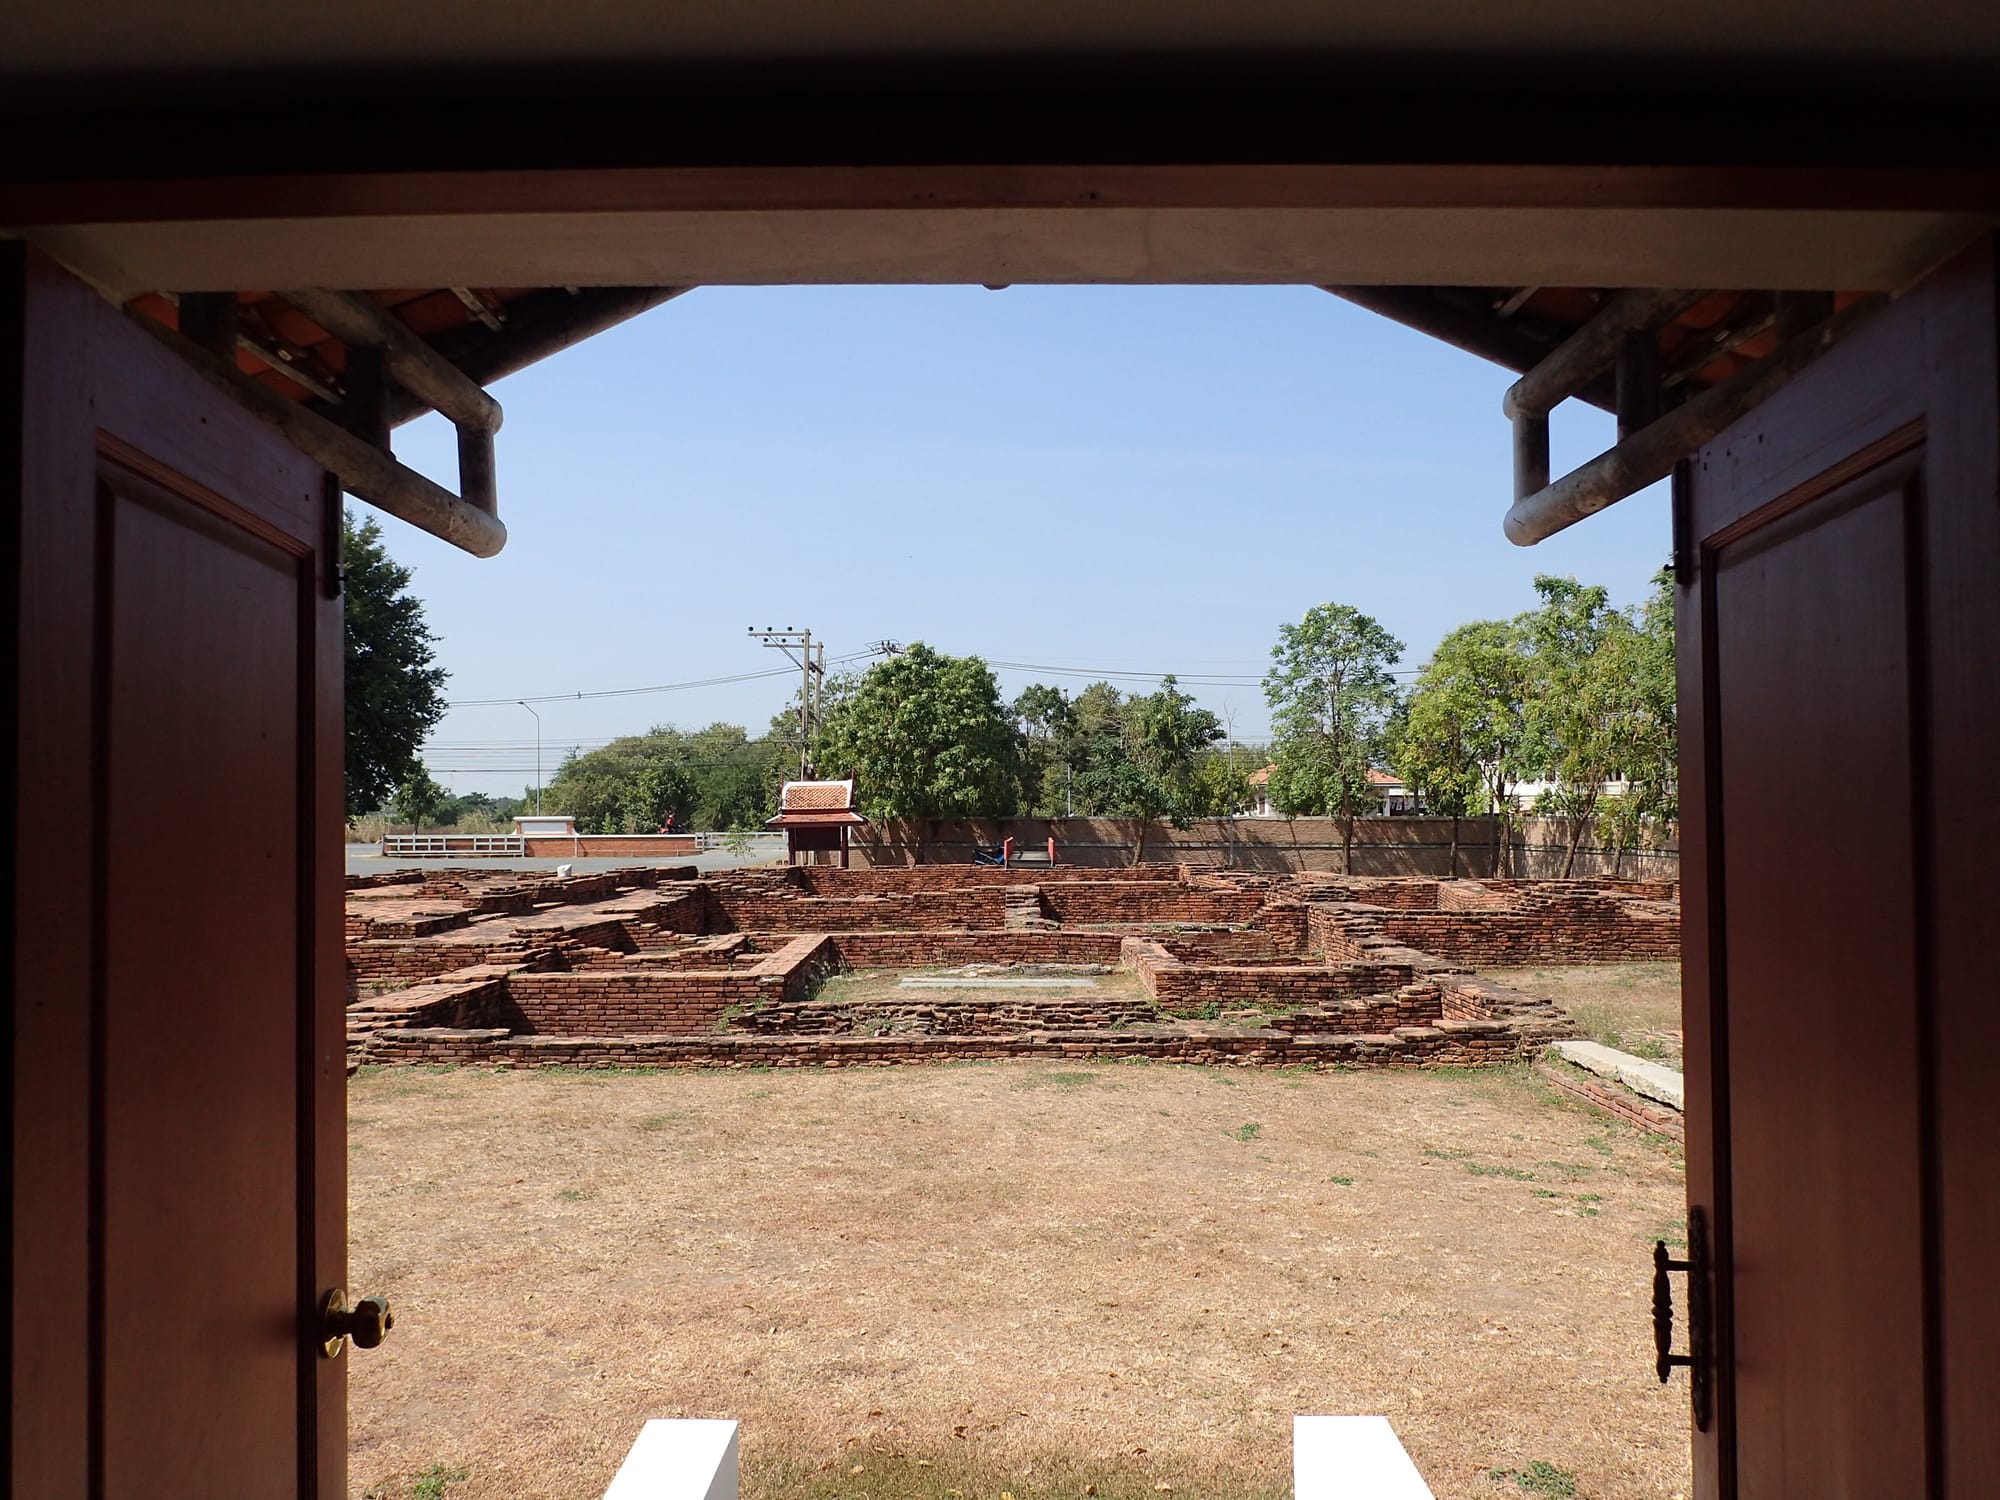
<point x="200" y="1046"/>
<point x="1840" y="686"/>
<point x="179" y="977"/>
<point x="1812" y="696"/>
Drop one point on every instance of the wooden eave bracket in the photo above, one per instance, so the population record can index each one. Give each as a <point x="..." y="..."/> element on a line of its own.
<point x="358" y="453"/>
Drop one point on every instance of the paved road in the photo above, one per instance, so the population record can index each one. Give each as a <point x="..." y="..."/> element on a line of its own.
<point x="366" y="859"/>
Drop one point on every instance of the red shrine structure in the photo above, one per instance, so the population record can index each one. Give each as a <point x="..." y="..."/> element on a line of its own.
<point x="816" y="816"/>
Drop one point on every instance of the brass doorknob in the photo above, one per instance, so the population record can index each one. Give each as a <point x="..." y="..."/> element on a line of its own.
<point x="367" y="1323"/>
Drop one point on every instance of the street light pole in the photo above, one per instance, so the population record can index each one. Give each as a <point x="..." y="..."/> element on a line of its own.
<point x="538" y="755"/>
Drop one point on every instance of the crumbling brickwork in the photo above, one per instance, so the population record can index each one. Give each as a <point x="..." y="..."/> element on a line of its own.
<point x="647" y="967"/>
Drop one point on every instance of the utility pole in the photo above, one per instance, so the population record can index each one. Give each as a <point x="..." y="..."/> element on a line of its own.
<point x="791" y="640"/>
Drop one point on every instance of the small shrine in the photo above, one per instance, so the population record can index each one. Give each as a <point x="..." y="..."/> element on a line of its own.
<point x="815" y="816"/>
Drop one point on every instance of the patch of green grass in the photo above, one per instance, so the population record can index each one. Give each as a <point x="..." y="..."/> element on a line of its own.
<point x="1512" y="1174"/>
<point x="1341" y="1181"/>
<point x="660" y="1122"/>
<point x="1600" y="1144"/>
<point x="1547" y="1193"/>
<point x="575" y="1195"/>
<point x="1569" y="1169"/>
<point x="1541" y="1478"/>
<point x="1065" y="1079"/>
<point x="1248" y="1131"/>
<point x="430" y="1485"/>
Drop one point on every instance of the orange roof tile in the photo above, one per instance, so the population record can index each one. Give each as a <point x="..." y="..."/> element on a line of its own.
<point x="817" y="796"/>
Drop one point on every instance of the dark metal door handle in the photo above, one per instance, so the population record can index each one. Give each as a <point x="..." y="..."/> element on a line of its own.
<point x="367" y="1323"/>
<point x="1697" y="1359"/>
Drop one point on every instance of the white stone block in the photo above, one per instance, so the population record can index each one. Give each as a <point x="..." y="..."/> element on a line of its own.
<point x="687" y="1459"/>
<point x="1352" y="1458"/>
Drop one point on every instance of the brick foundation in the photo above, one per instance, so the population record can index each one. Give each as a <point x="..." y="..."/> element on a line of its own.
<point x="652" y="967"/>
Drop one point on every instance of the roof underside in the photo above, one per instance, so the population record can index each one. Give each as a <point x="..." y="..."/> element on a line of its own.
<point x="143" y="39"/>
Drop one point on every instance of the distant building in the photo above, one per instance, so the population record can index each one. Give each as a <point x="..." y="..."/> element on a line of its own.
<point x="1396" y="797"/>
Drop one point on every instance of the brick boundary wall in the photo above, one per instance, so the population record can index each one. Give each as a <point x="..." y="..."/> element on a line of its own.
<point x="611" y="846"/>
<point x="1538" y="847"/>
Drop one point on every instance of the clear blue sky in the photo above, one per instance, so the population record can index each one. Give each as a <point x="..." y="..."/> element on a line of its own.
<point x="1146" y="479"/>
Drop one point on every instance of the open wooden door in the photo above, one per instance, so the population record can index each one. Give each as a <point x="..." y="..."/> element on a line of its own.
<point x="178" y="1190"/>
<point x="1839" y="558"/>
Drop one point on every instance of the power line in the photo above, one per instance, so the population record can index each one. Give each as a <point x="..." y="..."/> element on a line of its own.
<point x="634" y="692"/>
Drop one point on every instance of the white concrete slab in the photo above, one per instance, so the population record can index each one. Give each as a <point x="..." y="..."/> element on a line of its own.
<point x="1653" y="1080"/>
<point x="1352" y="1458"/>
<point x="687" y="1459"/>
<point x="936" y="982"/>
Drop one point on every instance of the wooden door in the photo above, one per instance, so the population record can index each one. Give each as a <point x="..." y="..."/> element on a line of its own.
<point x="178" y="1201"/>
<point x="1839" y="558"/>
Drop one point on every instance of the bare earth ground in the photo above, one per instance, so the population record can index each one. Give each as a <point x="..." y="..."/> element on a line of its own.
<point x="1633" y="1006"/>
<point x="975" y="1282"/>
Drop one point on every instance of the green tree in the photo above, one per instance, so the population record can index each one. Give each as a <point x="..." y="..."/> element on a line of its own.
<point x="419" y="798"/>
<point x="714" y="778"/>
<point x="1045" y="727"/>
<point x="1171" y="734"/>
<point x="1464" y="743"/>
<point x="395" y="690"/>
<point x="1636" y="695"/>
<point x="1331" y="694"/>
<point x="925" y="736"/>
<point x="1572" y="739"/>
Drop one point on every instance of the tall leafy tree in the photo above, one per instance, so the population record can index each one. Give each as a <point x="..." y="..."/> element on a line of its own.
<point x="1149" y="768"/>
<point x="1637" y="692"/>
<point x="1463" y="745"/>
<point x="926" y="736"/>
<point x="395" y="689"/>
<point x="1045" y="724"/>
<point x="1330" y="692"/>
<point x="1603" y="704"/>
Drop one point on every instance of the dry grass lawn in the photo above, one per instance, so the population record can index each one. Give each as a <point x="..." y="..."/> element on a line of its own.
<point x="1633" y="1006"/>
<point x="961" y="1283"/>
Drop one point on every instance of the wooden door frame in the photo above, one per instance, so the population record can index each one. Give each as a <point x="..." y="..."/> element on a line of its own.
<point x="1925" y="375"/>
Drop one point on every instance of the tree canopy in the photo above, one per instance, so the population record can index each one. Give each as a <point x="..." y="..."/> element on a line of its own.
<point x="1331" y="695"/>
<point x="925" y="735"/>
<point x="395" y="689"/>
<point x="714" y="778"/>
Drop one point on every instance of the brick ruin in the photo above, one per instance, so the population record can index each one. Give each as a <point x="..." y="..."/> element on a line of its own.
<point x="661" y="967"/>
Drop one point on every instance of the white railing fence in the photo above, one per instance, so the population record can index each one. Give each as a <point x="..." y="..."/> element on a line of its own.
<point x="438" y="845"/>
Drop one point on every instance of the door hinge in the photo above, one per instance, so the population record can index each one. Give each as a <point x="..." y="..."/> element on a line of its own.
<point x="1699" y="1360"/>
<point x="333" y="565"/>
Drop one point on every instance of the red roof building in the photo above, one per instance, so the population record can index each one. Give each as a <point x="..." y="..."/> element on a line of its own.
<point x="816" y="816"/>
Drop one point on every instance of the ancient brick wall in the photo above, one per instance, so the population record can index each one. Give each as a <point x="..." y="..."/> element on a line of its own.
<point x="1593" y="932"/>
<point x="654" y="999"/>
<point x="1180" y="986"/>
<point x="827" y="880"/>
<point x="1149" y="901"/>
<point x="1445" y="1044"/>
<point x="774" y="911"/>
<point x="910" y="950"/>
